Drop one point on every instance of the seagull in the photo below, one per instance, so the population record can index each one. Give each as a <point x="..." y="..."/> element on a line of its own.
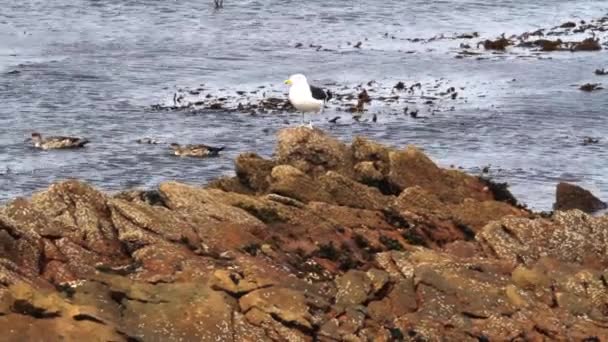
<point x="200" y="151"/>
<point x="304" y="97"/>
<point x="50" y="143"/>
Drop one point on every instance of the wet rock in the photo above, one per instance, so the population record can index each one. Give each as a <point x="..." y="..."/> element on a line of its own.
<point x="399" y="86"/>
<point x="468" y="35"/>
<point x="569" y="196"/>
<point x="499" y="44"/>
<point x="549" y="45"/>
<point x="568" y="24"/>
<point x="589" y="44"/>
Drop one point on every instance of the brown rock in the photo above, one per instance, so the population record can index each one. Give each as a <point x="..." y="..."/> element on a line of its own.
<point x="589" y="44"/>
<point x="499" y="44"/>
<point x="204" y="314"/>
<point x="289" y="181"/>
<point x="232" y="282"/>
<point x="413" y="168"/>
<point x="78" y="206"/>
<point x="347" y="192"/>
<point x="312" y="151"/>
<point x="569" y="196"/>
<point x="198" y="205"/>
<point x="157" y="223"/>
<point x="372" y="165"/>
<point x="354" y="288"/>
<point x="367" y="172"/>
<point x="287" y="304"/>
<point x="44" y="316"/>
<point x="229" y="184"/>
<point x="345" y="326"/>
<point x="22" y="247"/>
<point x="569" y="236"/>
<point x="476" y="214"/>
<point x="32" y="222"/>
<point x="253" y="171"/>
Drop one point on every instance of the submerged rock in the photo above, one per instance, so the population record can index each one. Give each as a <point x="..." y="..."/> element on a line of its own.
<point x="569" y="196"/>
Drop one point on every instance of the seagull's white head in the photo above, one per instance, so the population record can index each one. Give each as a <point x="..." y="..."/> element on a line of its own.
<point x="297" y="79"/>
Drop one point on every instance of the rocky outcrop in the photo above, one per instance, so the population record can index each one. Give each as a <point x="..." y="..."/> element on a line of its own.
<point x="326" y="242"/>
<point x="569" y="196"/>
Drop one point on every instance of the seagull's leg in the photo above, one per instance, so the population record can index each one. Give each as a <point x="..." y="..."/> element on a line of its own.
<point x="303" y="122"/>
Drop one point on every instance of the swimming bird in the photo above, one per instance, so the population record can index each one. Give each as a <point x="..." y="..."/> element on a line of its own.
<point x="200" y="151"/>
<point x="149" y="141"/>
<point x="304" y="97"/>
<point x="57" y="142"/>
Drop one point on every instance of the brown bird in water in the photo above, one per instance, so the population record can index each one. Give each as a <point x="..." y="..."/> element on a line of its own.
<point x="57" y="142"/>
<point x="200" y="151"/>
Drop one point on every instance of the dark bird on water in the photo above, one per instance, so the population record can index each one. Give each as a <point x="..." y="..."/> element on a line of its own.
<point x="199" y="151"/>
<point x="590" y="141"/>
<point x="57" y="142"/>
<point x="149" y="141"/>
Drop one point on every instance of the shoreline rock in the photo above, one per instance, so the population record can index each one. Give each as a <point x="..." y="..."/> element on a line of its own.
<point x="327" y="242"/>
<point x="570" y="196"/>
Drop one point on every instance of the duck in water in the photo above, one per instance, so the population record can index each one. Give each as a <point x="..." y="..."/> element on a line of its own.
<point x="57" y="142"/>
<point x="199" y="151"/>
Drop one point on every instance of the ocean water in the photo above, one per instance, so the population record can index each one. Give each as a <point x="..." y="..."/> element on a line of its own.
<point x="95" y="67"/>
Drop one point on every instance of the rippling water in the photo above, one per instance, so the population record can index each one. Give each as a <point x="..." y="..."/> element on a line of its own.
<point x="94" y="68"/>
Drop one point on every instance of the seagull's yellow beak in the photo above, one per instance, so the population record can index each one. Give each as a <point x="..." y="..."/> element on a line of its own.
<point x="287" y="82"/>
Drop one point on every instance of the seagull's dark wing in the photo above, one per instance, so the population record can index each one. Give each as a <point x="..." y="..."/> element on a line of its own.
<point x="320" y="94"/>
